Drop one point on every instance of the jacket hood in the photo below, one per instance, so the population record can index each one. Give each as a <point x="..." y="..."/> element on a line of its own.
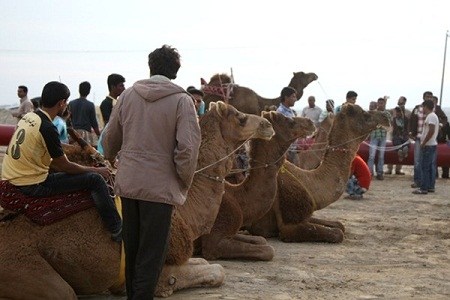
<point x="154" y="89"/>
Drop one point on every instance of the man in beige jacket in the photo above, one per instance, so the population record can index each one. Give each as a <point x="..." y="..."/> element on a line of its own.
<point x="155" y="132"/>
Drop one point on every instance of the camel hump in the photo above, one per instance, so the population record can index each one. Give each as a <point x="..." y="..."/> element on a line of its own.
<point x="219" y="79"/>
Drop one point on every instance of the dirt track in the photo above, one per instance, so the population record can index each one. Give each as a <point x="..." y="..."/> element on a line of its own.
<point x="396" y="247"/>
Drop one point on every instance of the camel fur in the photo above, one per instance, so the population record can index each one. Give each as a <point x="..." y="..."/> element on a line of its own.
<point x="77" y="256"/>
<point x="253" y="198"/>
<point x="248" y="101"/>
<point x="301" y="192"/>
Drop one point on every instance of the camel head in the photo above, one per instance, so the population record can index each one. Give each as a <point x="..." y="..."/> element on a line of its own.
<point x="300" y="80"/>
<point x="289" y="129"/>
<point x="353" y="124"/>
<point x="237" y="126"/>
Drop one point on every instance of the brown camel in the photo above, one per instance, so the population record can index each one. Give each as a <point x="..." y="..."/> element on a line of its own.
<point x="76" y="255"/>
<point x="245" y="99"/>
<point x="301" y="192"/>
<point x="310" y="158"/>
<point x="252" y="199"/>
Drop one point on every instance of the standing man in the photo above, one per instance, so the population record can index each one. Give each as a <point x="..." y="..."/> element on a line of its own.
<point x="329" y="104"/>
<point x="312" y="111"/>
<point x="35" y="147"/>
<point x="415" y="132"/>
<point x="116" y="85"/>
<point x="83" y="116"/>
<point x="378" y="143"/>
<point x="400" y="122"/>
<point x="288" y="97"/>
<point x="25" y="104"/>
<point x="155" y="128"/>
<point x="428" y="149"/>
<point x="349" y="98"/>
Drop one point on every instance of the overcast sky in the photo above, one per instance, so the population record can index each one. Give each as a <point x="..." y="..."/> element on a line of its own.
<point x="376" y="48"/>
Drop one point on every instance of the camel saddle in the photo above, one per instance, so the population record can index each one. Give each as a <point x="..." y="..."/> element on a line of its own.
<point x="224" y="90"/>
<point x="43" y="210"/>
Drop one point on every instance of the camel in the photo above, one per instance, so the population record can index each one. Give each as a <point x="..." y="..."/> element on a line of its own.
<point x="310" y="158"/>
<point x="253" y="198"/>
<point x="76" y="255"/>
<point x="301" y="192"/>
<point x="245" y="99"/>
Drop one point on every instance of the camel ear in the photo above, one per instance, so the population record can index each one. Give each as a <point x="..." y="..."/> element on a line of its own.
<point x="221" y="108"/>
<point x="212" y="105"/>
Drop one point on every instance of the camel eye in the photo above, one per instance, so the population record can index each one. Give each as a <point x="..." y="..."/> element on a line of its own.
<point x="242" y="119"/>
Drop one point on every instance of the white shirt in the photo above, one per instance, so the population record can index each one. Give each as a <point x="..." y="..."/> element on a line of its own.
<point x="433" y="120"/>
<point x="312" y="113"/>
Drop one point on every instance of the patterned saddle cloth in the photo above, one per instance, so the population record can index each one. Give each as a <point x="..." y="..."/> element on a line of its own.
<point x="43" y="210"/>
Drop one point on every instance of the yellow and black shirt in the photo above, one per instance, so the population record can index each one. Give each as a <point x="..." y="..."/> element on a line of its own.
<point x="31" y="149"/>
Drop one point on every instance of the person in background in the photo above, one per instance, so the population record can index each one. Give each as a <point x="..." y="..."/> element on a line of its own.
<point x="35" y="147"/>
<point x="198" y="100"/>
<point x="349" y="98"/>
<point x="25" y="104"/>
<point x="288" y="97"/>
<point x="359" y="181"/>
<point x="372" y="105"/>
<point x="428" y="146"/>
<point x="61" y="126"/>
<point x="156" y="122"/>
<point x="378" y="143"/>
<point x="415" y="132"/>
<point x="116" y="85"/>
<point x="329" y="109"/>
<point x="36" y="102"/>
<point x="405" y="114"/>
<point x="83" y="117"/>
<point x="312" y="111"/>
<point x="444" y="137"/>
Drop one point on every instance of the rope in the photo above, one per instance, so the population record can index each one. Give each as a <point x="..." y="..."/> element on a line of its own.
<point x="391" y="148"/>
<point x="223" y="158"/>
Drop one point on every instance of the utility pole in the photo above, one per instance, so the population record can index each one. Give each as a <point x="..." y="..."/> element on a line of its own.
<point x="443" y="68"/>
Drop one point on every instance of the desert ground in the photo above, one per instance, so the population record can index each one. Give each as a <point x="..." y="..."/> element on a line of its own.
<point x="396" y="246"/>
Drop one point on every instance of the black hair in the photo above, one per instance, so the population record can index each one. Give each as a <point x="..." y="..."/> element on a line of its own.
<point x="24" y="88"/>
<point x="429" y="104"/>
<point x="427" y="93"/>
<point x="84" y="89"/>
<point x="114" y="79"/>
<point x="53" y="92"/>
<point x="351" y="94"/>
<point x="398" y="109"/>
<point x="164" y="61"/>
<point x="36" y="101"/>
<point x="287" y="92"/>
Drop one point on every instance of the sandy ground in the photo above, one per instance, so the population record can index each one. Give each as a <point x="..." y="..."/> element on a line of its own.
<point x="396" y="247"/>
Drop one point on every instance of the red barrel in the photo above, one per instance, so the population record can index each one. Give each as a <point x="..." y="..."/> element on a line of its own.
<point x="6" y="132"/>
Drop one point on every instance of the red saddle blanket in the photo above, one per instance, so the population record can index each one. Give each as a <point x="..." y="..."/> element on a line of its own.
<point x="44" y="210"/>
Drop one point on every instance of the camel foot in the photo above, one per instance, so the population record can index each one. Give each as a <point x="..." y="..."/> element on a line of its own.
<point x="251" y="239"/>
<point x="174" y="278"/>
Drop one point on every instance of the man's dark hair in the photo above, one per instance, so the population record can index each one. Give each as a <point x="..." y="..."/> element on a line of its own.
<point x="287" y="92"/>
<point x="164" y="61"/>
<point x="36" y="101"/>
<point x="381" y="100"/>
<point x="24" y="88"/>
<point x="53" y="92"/>
<point x="114" y="79"/>
<point x="427" y="93"/>
<point x="351" y="94"/>
<point x="429" y="104"/>
<point x="84" y="89"/>
<point x="398" y="109"/>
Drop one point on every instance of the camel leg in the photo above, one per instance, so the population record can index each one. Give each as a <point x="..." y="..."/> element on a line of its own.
<point x="36" y="279"/>
<point x="310" y="232"/>
<point x="332" y="224"/>
<point x="251" y="239"/>
<point x="196" y="273"/>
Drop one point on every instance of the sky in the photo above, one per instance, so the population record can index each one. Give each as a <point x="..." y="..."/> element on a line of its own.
<point x="376" y="48"/>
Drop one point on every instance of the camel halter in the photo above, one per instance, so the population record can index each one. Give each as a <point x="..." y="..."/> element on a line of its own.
<point x="223" y="90"/>
<point x="217" y="178"/>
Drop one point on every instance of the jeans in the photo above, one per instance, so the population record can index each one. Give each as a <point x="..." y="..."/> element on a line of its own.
<point x="146" y="236"/>
<point x="428" y="165"/>
<point x="376" y="144"/>
<point x="60" y="183"/>
<point x="353" y="187"/>
<point x="417" y="168"/>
